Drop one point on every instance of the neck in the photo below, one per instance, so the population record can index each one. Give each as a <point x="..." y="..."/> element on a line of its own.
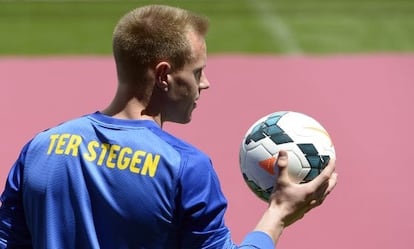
<point x="131" y="109"/>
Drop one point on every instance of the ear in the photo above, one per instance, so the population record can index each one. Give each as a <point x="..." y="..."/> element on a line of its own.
<point x="162" y="70"/>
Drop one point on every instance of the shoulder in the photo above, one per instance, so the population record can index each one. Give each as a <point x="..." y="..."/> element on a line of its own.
<point x="185" y="149"/>
<point x="66" y="128"/>
<point x="74" y="123"/>
<point x="195" y="165"/>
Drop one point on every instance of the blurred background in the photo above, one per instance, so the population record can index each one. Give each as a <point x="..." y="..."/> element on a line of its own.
<point x="30" y="27"/>
<point x="347" y="63"/>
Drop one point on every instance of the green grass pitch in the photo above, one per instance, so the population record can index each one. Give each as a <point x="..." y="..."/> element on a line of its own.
<point x="237" y="26"/>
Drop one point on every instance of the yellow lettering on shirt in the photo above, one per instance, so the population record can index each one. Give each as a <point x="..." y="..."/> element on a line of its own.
<point x="67" y="144"/>
<point x="150" y="164"/>
<point x="62" y="139"/>
<point x="72" y="147"/>
<point x="136" y="159"/>
<point x="104" y="149"/>
<point x="91" y="155"/>
<point x="111" y="156"/>
<point x="52" y="143"/>
<point x="123" y="159"/>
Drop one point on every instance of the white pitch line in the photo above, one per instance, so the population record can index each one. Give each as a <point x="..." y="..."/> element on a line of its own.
<point x="278" y="30"/>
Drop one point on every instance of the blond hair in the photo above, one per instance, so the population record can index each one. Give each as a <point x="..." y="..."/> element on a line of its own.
<point x="149" y="34"/>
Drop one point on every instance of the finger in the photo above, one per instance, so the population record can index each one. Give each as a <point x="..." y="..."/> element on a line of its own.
<point x="333" y="180"/>
<point x="282" y="164"/>
<point x="282" y="160"/>
<point x="324" y="190"/>
<point x="330" y="168"/>
<point x="324" y="176"/>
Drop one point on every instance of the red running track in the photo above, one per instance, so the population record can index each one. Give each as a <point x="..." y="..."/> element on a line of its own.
<point x="365" y="102"/>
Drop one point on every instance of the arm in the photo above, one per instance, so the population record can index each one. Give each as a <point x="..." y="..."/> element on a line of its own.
<point x="13" y="229"/>
<point x="201" y="207"/>
<point x="290" y="202"/>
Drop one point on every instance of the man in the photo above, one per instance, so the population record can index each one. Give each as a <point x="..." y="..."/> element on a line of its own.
<point x="115" y="179"/>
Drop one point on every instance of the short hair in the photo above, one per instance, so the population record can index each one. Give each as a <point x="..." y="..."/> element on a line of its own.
<point x="146" y="35"/>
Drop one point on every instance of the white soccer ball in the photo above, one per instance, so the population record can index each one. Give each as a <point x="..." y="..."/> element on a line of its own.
<point x="307" y="143"/>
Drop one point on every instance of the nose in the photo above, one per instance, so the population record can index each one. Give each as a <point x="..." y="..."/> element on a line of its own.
<point x="204" y="83"/>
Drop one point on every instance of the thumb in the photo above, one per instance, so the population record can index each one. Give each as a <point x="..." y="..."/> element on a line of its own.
<point x="282" y="168"/>
<point x="282" y="159"/>
<point x="282" y="163"/>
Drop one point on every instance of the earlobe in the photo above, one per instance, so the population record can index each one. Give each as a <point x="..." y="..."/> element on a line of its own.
<point x="161" y="73"/>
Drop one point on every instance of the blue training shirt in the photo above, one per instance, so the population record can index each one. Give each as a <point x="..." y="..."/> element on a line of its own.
<point x="102" y="182"/>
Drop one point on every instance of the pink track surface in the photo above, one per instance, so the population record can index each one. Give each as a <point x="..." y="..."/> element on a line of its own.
<point x="365" y="102"/>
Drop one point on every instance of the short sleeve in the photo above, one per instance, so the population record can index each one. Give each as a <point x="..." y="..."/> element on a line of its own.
<point x="257" y="240"/>
<point x="13" y="229"/>
<point x="201" y="205"/>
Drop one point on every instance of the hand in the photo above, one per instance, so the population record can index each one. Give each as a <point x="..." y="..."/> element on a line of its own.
<point x="290" y="201"/>
<point x="293" y="200"/>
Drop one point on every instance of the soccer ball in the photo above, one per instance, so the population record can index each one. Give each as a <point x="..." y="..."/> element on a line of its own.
<point x="307" y="143"/>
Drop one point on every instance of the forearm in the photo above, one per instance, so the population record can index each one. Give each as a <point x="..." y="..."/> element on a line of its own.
<point x="271" y="223"/>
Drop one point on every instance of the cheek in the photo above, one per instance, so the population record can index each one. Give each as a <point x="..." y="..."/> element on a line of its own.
<point x="187" y="88"/>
